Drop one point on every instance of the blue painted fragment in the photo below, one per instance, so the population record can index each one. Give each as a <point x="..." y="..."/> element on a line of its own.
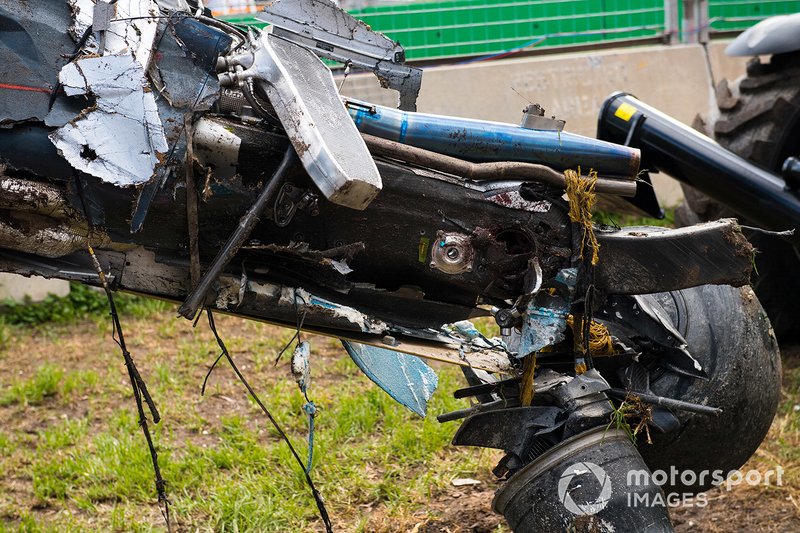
<point x="404" y="377"/>
<point x="467" y="329"/>
<point x="543" y="326"/>
<point x="323" y="303"/>
<point x="545" y="318"/>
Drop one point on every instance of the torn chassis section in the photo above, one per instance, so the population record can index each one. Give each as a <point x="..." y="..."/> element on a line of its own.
<point x="383" y="293"/>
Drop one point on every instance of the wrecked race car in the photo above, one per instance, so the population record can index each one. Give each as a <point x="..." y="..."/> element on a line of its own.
<point x="148" y="147"/>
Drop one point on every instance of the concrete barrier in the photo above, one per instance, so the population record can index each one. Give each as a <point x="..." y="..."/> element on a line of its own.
<point x="15" y="287"/>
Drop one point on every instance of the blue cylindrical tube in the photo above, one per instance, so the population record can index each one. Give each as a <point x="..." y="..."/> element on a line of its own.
<point x="478" y="140"/>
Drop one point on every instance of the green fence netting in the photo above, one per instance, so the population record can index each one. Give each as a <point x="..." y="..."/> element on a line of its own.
<point x="493" y="28"/>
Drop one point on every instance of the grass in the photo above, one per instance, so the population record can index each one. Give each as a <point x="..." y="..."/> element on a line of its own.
<point x="620" y="220"/>
<point x="47" y="381"/>
<point x="81" y="302"/>
<point x="632" y="409"/>
<point x="5" y="333"/>
<point x="34" y="390"/>
<point x="72" y="457"/>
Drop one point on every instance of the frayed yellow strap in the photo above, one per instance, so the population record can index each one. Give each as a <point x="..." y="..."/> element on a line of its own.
<point x="581" y="196"/>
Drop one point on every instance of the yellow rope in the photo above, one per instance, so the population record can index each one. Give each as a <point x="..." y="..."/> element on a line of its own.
<point x="600" y="342"/>
<point x="581" y="196"/>
<point x="526" y="383"/>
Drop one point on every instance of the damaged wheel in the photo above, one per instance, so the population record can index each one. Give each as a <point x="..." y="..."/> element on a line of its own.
<point x="728" y="333"/>
<point x="582" y="485"/>
<point x="563" y="449"/>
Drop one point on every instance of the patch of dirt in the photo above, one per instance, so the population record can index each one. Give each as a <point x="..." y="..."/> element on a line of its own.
<point x="455" y="510"/>
<point x="741" y="509"/>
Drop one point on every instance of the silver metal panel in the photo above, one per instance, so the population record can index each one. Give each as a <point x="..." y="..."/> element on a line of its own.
<point x="329" y="32"/>
<point x="775" y="35"/>
<point x="303" y="93"/>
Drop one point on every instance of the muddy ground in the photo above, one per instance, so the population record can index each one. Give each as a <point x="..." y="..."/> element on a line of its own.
<point x="440" y="507"/>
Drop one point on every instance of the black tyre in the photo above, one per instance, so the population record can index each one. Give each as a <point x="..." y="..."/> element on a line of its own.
<point x="759" y="119"/>
<point x="728" y="332"/>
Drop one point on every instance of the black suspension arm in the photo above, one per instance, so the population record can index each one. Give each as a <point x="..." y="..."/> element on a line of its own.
<point x="687" y="155"/>
<point x="246" y="224"/>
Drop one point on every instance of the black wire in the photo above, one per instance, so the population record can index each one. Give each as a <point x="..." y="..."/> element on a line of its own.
<point x="139" y="391"/>
<point x="248" y="90"/>
<point x="317" y="496"/>
<point x="285" y="347"/>
<point x="299" y="325"/>
<point x="137" y="383"/>
<point x="213" y="365"/>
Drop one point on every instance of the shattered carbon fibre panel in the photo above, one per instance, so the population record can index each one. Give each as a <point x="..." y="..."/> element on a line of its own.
<point x="82" y="15"/>
<point x="27" y="148"/>
<point x="133" y="29"/>
<point x="125" y="112"/>
<point x="40" y="235"/>
<point x="639" y="260"/>
<point x="186" y="57"/>
<point x="34" y="197"/>
<point x="37" y="218"/>
<point x="129" y="26"/>
<point x="125" y="115"/>
<point x="181" y="73"/>
<point x="140" y="271"/>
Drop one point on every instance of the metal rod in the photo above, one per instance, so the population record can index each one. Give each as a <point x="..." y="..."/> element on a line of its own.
<point x="621" y="394"/>
<point x="246" y="224"/>
<point x="484" y="388"/>
<point x="495" y="170"/>
<point x="479" y="408"/>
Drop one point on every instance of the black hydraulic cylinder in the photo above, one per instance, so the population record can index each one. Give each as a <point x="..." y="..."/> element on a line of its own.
<point x="689" y="156"/>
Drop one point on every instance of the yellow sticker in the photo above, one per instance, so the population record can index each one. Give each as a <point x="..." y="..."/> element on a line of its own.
<point x="625" y="111"/>
<point x="424" y="245"/>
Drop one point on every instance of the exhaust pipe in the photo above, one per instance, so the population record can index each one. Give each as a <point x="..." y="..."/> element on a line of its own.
<point x="689" y="156"/>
